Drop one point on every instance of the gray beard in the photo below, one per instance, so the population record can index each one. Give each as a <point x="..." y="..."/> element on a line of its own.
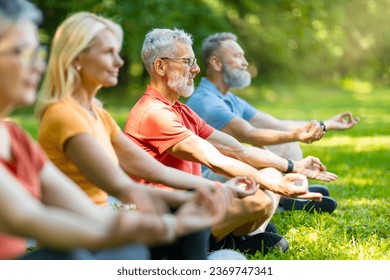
<point x="179" y="85"/>
<point x="235" y="78"/>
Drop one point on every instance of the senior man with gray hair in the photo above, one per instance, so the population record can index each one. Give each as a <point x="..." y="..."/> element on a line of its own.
<point x="172" y="133"/>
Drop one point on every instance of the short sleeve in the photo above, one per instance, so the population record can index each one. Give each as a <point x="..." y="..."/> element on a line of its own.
<point x="59" y="123"/>
<point x="110" y="124"/>
<point x="247" y="111"/>
<point x="161" y="128"/>
<point x="218" y="109"/>
<point x="27" y="151"/>
<point x="212" y="110"/>
<point x="197" y="125"/>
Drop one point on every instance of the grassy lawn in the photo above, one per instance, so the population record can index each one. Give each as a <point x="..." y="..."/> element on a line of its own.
<point x="359" y="229"/>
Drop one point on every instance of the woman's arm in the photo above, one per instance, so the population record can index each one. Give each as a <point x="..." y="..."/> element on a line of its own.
<point x="55" y="227"/>
<point x="95" y="164"/>
<point x="136" y="162"/>
<point x="72" y="221"/>
<point x="92" y="161"/>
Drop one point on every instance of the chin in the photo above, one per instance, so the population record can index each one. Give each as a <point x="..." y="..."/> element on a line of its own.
<point x="110" y="84"/>
<point x="187" y="95"/>
<point x="26" y="102"/>
<point x="28" y="98"/>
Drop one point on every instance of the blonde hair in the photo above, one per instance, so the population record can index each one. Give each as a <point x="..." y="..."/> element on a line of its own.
<point x="72" y="37"/>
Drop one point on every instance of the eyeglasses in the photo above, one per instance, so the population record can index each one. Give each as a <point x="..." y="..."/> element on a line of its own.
<point x="189" y="60"/>
<point x="26" y="56"/>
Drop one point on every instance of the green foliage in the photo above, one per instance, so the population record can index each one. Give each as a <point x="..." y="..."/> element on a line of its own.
<point x="331" y="41"/>
<point x="137" y="18"/>
<point x="315" y="39"/>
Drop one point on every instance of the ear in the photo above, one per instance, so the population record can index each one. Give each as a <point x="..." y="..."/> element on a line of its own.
<point x="76" y="63"/>
<point x="160" y="67"/>
<point x="215" y="63"/>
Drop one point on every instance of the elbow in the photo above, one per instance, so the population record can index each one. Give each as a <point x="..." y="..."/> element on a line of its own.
<point x="217" y="165"/>
<point x="246" y="136"/>
<point x="213" y="163"/>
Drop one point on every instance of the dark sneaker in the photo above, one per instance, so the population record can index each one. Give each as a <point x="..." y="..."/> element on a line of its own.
<point x="261" y="242"/>
<point x="320" y="189"/>
<point x="271" y="228"/>
<point x="327" y="204"/>
<point x="226" y="243"/>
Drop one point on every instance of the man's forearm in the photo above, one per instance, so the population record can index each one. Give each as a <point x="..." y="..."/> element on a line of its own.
<point x="286" y="125"/>
<point x="257" y="157"/>
<point x="264" y="137"/>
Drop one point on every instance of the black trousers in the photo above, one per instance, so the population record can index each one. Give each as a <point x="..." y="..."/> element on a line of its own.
<point x="128" y="252"/>
<point x="194" y="246"/>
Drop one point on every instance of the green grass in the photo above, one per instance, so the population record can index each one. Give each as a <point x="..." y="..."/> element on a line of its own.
<point x="359" y="229"/>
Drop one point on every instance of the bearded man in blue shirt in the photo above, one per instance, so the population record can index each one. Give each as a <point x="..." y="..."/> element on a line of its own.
<point x="226" y="69"/>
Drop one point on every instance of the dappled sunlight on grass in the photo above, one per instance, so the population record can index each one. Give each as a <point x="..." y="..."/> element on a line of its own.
<point x="360" y="181"/>
<point x="357" y="144"/>
<point x="320" y="236"/>
<point x="307" y="234"/>
<point x="359" y="229"/>
<point x="359" y="162"/>
<point x="363" y="202"/>
<point x="356" y="86"/>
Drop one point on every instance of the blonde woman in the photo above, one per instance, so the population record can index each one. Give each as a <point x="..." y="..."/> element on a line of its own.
<point x="40" y="202"/>
<point x="85" y="142"/>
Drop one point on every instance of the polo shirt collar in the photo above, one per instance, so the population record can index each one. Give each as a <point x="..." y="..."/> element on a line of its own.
<point x="209" y="86"/>
<point x="152" y="92"/>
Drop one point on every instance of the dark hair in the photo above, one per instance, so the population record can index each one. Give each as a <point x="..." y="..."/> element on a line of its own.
<point x="212" y="44"/>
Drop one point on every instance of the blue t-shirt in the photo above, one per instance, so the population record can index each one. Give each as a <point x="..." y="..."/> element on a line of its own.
<point x="217" y="109"/>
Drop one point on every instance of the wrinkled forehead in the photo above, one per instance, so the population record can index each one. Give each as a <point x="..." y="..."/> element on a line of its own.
<point x="105" y="37"/>
<point x="21" y="33"/>
<point x="183" y="50"/>
<point x="229" y="47"/>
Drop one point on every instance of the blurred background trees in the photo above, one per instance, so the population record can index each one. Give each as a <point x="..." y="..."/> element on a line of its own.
<point x="343" y="42"/>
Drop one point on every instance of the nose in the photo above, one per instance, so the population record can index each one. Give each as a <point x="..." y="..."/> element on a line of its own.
<point x="38" y="64"/>
<point x="195" y="68"/>
<point x="118" y="61"/>
<point x="244" y="61"/>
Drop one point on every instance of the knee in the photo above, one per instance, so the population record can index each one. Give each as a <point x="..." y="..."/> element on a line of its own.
<point x="294" y="151"/>
<point x="260" y="205"/>
<point x="290" y="150"/>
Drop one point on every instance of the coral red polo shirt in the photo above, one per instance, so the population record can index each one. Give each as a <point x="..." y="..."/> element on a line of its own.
<point x="28" y="160"/>
<point x="156" y="125"/>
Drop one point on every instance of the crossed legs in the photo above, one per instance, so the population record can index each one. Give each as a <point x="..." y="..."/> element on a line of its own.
<point x="288" y="150"/>
<point x="247" y="214"/>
